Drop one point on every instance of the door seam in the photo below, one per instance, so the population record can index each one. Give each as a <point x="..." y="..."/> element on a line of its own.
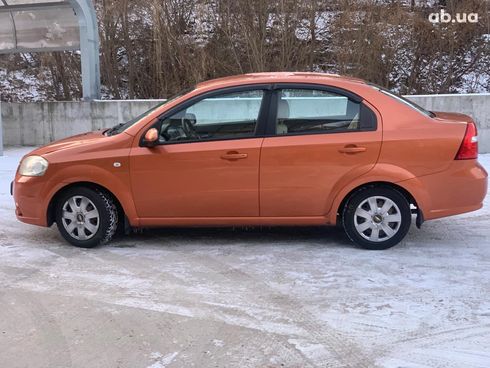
<point x="258" y="176"/>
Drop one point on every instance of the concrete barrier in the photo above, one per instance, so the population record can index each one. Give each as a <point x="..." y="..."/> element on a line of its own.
<point x="35" y="124"/>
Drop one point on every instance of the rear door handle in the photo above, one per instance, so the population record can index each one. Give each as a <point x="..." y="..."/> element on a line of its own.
<point x="233" y="156"/>
<point x="352" y="149"/>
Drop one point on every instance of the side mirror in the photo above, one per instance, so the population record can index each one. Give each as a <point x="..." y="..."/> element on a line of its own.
<point x="151" y="138"/>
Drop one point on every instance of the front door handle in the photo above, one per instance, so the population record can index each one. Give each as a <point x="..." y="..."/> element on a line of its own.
<point x="233" y="156"/>
<point x="352" y="149"/>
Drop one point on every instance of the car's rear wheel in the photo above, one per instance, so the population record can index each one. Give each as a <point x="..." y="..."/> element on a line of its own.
<point x="86" y="217"/>
<point x="377" y="217"/>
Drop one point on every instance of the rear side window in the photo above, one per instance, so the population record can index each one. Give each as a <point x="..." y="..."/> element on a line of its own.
<point x="310" y="111"/>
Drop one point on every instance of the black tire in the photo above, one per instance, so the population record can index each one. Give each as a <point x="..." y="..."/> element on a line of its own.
<point x="349" y="217"/>
<point x="107" y="216"/>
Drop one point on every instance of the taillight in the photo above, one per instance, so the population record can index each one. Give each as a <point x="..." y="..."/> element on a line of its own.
<point x="469" y="146"/>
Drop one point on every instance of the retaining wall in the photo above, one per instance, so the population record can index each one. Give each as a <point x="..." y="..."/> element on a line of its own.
<point x="35" y="124"/>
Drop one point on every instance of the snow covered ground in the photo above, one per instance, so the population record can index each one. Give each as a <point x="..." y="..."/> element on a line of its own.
<point x="245" y="298"/>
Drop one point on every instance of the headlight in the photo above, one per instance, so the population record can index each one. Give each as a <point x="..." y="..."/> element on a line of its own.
<point x="33" y="166"/>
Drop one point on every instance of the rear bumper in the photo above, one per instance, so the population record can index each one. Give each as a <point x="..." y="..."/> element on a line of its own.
<point x="459" y="189"/>
<point x="29" y="200"/>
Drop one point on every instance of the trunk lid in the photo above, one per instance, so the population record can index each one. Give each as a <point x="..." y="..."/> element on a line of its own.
<point x="453" y="116"/>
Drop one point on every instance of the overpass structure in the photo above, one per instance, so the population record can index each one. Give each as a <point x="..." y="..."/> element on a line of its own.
<point x="53" y="25"/>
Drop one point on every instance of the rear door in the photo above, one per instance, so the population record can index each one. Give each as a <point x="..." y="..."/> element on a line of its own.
<point x="320" y="139"/>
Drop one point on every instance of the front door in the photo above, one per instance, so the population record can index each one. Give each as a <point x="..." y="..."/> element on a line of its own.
<point x="322" y="141"/>
<point x="207" y="164"/>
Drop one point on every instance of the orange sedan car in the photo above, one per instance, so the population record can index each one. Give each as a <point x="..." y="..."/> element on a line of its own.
<point x="260" y="149"/>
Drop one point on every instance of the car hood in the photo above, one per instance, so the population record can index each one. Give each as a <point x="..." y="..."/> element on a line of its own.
<point x="69" y="142"/>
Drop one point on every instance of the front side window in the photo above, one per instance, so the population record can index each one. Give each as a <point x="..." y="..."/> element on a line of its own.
<point x="303" y="111"/>
<point x="226" y="116"/>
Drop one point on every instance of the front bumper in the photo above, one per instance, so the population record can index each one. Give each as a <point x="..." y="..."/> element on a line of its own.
<point x="28" y="193"/>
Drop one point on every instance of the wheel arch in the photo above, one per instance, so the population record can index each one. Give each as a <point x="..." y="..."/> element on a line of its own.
<point x="410" y="198"/>
<point x="50" y="212"/>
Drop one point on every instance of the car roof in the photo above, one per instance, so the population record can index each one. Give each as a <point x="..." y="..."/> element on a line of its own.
<point x="277" y="77"/>
<point x="353" y="85"/>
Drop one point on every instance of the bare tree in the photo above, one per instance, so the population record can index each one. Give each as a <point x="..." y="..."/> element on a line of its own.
<point x="155" y="48"/>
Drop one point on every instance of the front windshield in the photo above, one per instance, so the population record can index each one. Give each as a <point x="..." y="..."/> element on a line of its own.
<point x="123" y="126"/>
<point x="403" y="100"/>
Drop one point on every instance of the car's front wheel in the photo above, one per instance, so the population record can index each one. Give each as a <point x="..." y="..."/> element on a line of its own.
<point x="86" y="217"/>
<point x="377" y="217"/>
